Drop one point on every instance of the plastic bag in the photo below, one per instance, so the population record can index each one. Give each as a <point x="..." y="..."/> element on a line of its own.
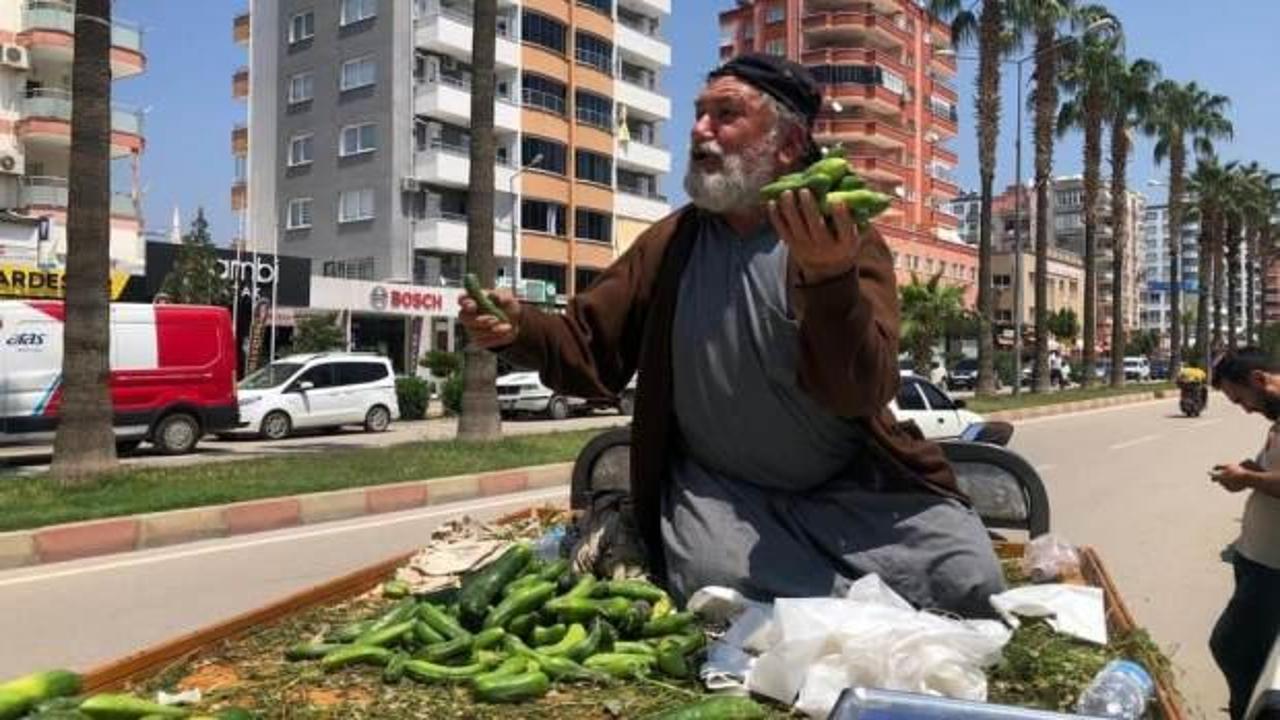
<point x="1049" y="558"/>
<point x="1075" y="610"/>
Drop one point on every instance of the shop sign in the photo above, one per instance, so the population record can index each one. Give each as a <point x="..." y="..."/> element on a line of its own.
<point x="29" y="281"/>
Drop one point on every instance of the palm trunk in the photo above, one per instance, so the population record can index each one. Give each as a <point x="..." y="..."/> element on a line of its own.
<point x="1203" y="299"/>
<point x="85" y="444"/>
<point x="1177" y="182"/>
<point x="1046" y="100"/>
<point x="1264" y="270"/>
<point x="1119" y="240"/>
<point x="1251" y="265"/>
<point x="991" y="22"/>
<point x="1234" y="242"/>
<point x="479" y="419"/>
<point x="1092" y="180"/>
<point x="1222" y="236"/>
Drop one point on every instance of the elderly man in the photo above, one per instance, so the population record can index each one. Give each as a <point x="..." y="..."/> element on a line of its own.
<point x="1248" y="627"/>
<point x="764" y="457"/>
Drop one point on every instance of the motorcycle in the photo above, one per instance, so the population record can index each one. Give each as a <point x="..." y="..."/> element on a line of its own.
<point x="1194" y="392"/>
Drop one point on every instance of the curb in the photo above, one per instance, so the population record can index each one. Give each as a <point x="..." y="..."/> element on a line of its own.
<point x="74" y="541"/>
<point x="1075" y="407"/>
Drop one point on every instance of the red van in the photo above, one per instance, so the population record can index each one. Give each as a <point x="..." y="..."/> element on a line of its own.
<point x="173" y="373"/>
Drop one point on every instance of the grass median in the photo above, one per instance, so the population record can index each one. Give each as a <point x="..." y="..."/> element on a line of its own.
<point x="1029" y="399"/>
<point x="35" y="501"/>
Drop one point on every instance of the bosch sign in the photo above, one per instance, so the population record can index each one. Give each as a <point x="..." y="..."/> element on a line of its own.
<point x="406" y="300"/>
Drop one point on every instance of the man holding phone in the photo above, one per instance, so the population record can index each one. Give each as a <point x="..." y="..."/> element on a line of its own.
<point x="1247" y="628"/>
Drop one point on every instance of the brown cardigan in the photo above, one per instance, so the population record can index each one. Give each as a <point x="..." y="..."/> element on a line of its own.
<point x="623" y="323"/>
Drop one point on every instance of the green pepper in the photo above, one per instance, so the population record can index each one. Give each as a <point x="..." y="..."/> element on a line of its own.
<point x="576" y="634"/>
<point x="560" y="668"/>
<point x="311" y="651"/>
<point x="489" y="638"/>
<point x="583" y="609"/>
<point x="441" y="622"/>
<point x="674" y="623"/>
<point x="402" y="611"/>
<point x="549" y="635"/>
<point x="486" y="304"/>
<point x="524" y="601"/>
<point x="425" y="634"/>
<point x="631" y="647"/>
<point x="590" y="645"/>
<point x="773" y="190"/>
<point x="835" y="151"/>
<point x="554" y="571"/>
<point x="395" y="589"/>
<point x="716" y="708"/>
<point x="512" y="688"/>
<point x="620" y="665"/>
<point x="519" y="584"/>
<point x="851" y="182"/>
<point x="510" y="666"/>
<point x="863" y="204"/>
<point x="662" y="608"/>
<point x="523" y="625"/>
<point x="835" y="168"/>
<point x="349" y="632"/>
<point x="583" y="588"/>
<point x="632" y="589"/>
<point x="394" y="671"/>
<point x="429" y="672"/>
<point x="448" y="649"/>
<point x="671" y="661"/>
<point x="386" y="635"/>
<point x="356" y="654"/>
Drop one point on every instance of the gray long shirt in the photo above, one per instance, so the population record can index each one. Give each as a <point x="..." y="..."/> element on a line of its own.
<point x="771" y="493"/>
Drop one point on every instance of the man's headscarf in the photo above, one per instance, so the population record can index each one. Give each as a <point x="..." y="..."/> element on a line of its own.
<point x="789" y="83"/>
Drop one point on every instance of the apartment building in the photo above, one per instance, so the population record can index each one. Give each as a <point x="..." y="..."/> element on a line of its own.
<point x="37" y="42"/>
<point x="355" y="151"/>
<point x="887" y="70"/>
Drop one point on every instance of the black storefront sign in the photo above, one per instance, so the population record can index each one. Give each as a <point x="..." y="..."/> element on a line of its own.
<point x="295" y="273"/>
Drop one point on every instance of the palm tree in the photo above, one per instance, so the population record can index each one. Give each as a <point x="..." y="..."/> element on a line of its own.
<point x="989" y="29"/>
<point x="1182" y="114"/>
<point x="1258" y="201"/>
<point x="1042" y="18"/>
<point x="927" y="308"/>
<point x="1128" y="107"/>
<point x="1086" y="75"/>
<point x="1210" y="186"/>
<point x="479" y="419"/>
<point x="85" y="444"/>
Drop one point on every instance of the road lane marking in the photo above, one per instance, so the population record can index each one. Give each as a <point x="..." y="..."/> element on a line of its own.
<point x="1202" y="423"/>
<point x="448" y="509"/>
<point x="1135" y="441"/>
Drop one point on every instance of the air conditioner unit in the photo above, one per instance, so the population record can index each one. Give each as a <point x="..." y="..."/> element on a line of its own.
<point x="409" y="184"/>
<point x="11" y="163"/>
<point x="15" y="56"/>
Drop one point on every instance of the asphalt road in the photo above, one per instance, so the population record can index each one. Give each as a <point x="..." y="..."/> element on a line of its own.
<point x="34" y="459"/>
<point x="1130" y="481"/>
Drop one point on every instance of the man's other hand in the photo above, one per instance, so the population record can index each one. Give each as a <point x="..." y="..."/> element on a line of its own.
<point x="487" y="331"/>
<point x="1233" y="477"/>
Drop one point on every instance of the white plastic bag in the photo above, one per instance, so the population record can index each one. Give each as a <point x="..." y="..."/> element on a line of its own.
<point x="1075" y="610"/>
<point x="1048" y="558"/>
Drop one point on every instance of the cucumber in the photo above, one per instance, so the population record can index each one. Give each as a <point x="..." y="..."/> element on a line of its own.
<point x="429" y="672"/>
<point x="549" y="635"/>
<point x="668" y="625"/>
<point x="393" y="673"/>
<point x="479" y="590"/>
<point x="311" y="651"/>
<point x="632" y="589"/>
<point x="110" y="706"/>
<point x="386" y="635"/>
<point x="620" y="665"/>
<point x="19" y="695"/>
<point x="440" y="621"/>
<point x="425" y="634"/>
<point x="512" y="688"/>
<point x="489" y="638"/>
<point x="716" y="708"/>
<point x="523" y="625"/>
<point x="356" y="654"/>
<point x="483" y="301"/>
<point x="445" y="650"/>
<point x="521" y="602"/>
<point x="349" y="632"/>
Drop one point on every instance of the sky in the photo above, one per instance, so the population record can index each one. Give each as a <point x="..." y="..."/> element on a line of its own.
<point x="1227" y="46"/>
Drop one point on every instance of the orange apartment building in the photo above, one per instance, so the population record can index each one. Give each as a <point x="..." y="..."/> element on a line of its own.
<point x="355" y="153"/>
<point x="890" y="100"/>
<point x="37" y="42"/>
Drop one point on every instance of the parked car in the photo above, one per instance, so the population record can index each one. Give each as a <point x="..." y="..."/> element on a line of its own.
<point x="173" y="373"/>
<point x="931" y="409"/>
<point x="522" y="393"/>
<point x="1137" y="368"/>
<point x="1160" y="370"/>
<point x="319" y="390"/>
<point x="964" y="376"/>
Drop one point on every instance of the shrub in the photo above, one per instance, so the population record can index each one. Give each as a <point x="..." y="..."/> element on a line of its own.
<point x="451" y="393"/>
<point x="413" y="395"/>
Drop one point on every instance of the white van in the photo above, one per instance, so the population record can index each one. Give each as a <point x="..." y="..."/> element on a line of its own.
<point x="319" y="390"/>
<point x="522" y="393"/>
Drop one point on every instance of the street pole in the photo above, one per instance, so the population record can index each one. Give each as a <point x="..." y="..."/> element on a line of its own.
<point x="1017" y="247"/>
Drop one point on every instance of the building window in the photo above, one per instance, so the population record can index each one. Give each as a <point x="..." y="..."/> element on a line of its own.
<point x="302" y="26"/>
<point x="553" y="154"/>
<point x="594" y="110"/>
<point x="358" y="73"/>
<point x="542" y="216"/>
<point x="594" y="167"/>
<point x="601" y="6"/>
<point x="355" y="269"/>
<point x="547" y="32"/>
<point x="1002" y="281"/>
<point x="358" y="139"/>
<point x="302" y="87"/>
<point x="777" y="12"/>
<point x="354" y="11"/>
<point x="592" y="225"/>
<point x="300" y="149"/>
<point x="299" y="214"/>
<point x="594" y="52"/>
<point x="776" y="47"/>
<point x="355" y="205"/>
<point x="543" y="92"/>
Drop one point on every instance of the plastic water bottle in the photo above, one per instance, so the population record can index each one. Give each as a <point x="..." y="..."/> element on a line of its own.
<point x="547" y="547"/>
<point x="1120" y="690"/>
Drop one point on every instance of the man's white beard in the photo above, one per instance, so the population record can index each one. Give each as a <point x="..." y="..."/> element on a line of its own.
<point x="737" y="183"/>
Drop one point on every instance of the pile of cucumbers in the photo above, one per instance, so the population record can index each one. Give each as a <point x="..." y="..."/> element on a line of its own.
<point x="832" y="181"/>
<point x="515" y="627"/>
<point x="53" y="695"/>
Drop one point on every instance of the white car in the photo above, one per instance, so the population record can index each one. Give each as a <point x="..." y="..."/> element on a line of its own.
<point x="936" y="414"/>
<point x="319" y="390"/>
<point x="522" y="393"/>
<point x="1137" y="368"/>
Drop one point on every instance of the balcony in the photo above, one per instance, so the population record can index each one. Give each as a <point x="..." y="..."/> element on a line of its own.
<point x="891" y="61"/>
<point x="636" y="155"/>
<point x="880" y="168"/>
<point x="641" y="96"/>
<point x="635" y="42"/>
<point x="447" y="232"/>
<point x="448" y="31"/>
<point x="944" y="119"/>
<point x="46" y="117"/>
<point x="449" y="98"/>
<point x="877" y="97"/>
<point x="450" y="165"/>
<point x="944" y="87"/>
<point x="945" y="156"/>
<point x="240" y="141"/>
<point x="651" y="7"/>
<point x="50" y="193"/>
<point x="640" y="205"/>
<point x="880" y="134"/>
<point x="240" y="84"/>
<point x="858" y="27"/>
<point x="240" y="29"/>
<point x="49" y="30"/>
